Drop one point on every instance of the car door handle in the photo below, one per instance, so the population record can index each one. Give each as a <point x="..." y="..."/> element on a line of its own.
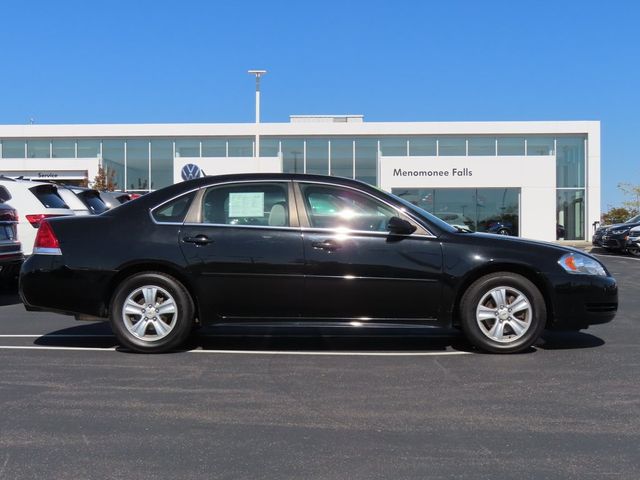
<point x="198" y="240"/>
<point x="327" y="245"/>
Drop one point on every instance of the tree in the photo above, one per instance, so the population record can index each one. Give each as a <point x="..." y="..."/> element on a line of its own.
<point x="616" y="215"/>
<point x="105" y="180"/>
<point x="632" y="191"/>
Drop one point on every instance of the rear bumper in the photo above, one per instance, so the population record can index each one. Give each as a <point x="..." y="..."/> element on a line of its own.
<point x="47" y="284"/>
<point x="583" y="300"/>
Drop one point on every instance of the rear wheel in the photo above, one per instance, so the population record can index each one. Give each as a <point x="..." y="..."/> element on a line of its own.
<point x="503" y="313"/>
<point x="504" y="231"/>
<point x="152" y="312"/>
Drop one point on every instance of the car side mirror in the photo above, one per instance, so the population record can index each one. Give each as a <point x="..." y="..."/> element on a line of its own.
<point x="399" y="226"/>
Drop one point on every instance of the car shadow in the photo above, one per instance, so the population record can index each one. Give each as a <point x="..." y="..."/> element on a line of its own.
<point x="568" y="340"/>
<point x="9" y="296"/>
<point x="312" y="339"/>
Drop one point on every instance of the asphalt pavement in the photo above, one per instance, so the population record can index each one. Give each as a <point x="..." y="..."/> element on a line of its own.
<point x="319" y="403"/>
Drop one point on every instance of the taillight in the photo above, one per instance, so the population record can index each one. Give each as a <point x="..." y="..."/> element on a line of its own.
<point x="36" y="219"/>
<point x="46" y="242"/>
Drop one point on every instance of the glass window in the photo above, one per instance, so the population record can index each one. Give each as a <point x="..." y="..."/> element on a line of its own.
<point x="570" y="210"/>
<point x="367" y="160"/>
<point x="64" y="149"/>
<point x="423" y="146"/>
<point x="112" y="159"/>
<point x="161" y="163"/>
<point x="342" y="158"/>
<point x="393" y="146"/>
<point x="510" y="145"/>
<point x="13" y="149"/>
<point x="48" y="196"/>
<point x="214" y="147"/>
<point x="334" y="207"/>
<point x="93" y="201"/>
<point x="188" y="147"/>
<point x="449" y="146"/>
<point x="293" y="156"/>
<point x="175" y="210"/>
<point x="240" y="147"/>
<point x="263" y="204"/>
<point x="570" y="160"/>
<point x="479" y="146"/>
<point x="38" y="149"/>
<point x="540" y="146"/>
<point x="269" y="147"/>
<point x="138" y="164"/>
<point x="317" y="160"/>
<point x="493" y="210"/>
<point x="90" y="148"/>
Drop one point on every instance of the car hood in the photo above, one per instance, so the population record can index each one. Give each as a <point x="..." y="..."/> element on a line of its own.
<point x="517" y="242"/>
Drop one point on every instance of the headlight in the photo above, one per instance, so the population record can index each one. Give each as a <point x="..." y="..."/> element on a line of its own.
<point x="619" y="231"/>
<point x="581" y="264"/>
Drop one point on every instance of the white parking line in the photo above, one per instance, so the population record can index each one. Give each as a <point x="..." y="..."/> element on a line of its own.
<point x="255" y="352"/>
<point x="616" y="257"/>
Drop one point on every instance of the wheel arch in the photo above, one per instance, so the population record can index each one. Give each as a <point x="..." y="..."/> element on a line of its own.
<point x="529" y="273"/>
<point x="151" y="266"/>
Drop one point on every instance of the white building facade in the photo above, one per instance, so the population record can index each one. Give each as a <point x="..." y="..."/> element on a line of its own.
<point x="537" y="180"/>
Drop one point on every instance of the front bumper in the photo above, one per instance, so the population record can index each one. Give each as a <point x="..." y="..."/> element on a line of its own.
<point x="615" y="242"/>
<point x="582" y="300"/>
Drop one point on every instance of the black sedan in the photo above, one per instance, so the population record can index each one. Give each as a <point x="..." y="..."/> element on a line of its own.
<point x="285" y="247"/>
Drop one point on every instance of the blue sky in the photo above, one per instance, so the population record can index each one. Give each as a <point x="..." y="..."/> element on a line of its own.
<point x="144" y="61"/>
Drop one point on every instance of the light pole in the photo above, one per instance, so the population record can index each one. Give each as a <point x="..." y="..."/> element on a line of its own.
<point x="258" y="74"/>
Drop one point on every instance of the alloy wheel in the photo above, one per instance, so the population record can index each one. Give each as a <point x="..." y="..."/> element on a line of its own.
<point x="504" y="314"/>
<point x="149" y="313"/>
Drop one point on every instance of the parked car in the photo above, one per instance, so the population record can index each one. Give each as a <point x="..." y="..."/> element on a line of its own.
<point x="457" y="220"/>
<point x="633" y="242"/>
<point x="83" y="201"/>
<point x="615" y="234"/>
<point x="500" y="227"/>
<point x="11" y="256"/>
<point x="34" y="202"/>
<point x="113" y="199"/>
<point x="264" y="247"/>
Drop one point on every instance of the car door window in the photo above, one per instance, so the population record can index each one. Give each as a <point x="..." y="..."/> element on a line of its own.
<point x="175" y="210"/>
<point x="259" y="204"/>
<point x="335" y="207"/>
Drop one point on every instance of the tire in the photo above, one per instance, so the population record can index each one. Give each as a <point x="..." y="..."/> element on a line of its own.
<point x="635" y="251"/>
<point x="504" y="231"/>
<point x="165" y="307"/>
<point x="508" y="331"/>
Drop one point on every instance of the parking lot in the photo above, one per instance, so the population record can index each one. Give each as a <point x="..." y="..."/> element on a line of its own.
<point x="319" y="402"/>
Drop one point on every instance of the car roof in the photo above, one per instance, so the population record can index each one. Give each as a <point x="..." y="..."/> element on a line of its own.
<point x="22" y="181"/>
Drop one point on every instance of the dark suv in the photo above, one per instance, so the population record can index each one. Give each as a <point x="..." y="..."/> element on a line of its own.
<point x="11" y="256"/>
<point x="613" y="237"/>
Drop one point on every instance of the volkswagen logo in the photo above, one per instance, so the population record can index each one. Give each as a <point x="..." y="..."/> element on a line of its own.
<point x="191" y="171"/>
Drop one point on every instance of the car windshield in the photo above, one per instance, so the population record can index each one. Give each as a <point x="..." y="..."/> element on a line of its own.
<point x="428" y="216"/>
<point x="635" y="219"/>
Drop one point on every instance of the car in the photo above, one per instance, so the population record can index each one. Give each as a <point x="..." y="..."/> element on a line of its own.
<point x="34" y="201"/>
<point x="82" y="200"/>
<point x="633" y="242"/>
<point x="113" y="199"/>
<point x="457" y="220"/>
<point x="611" y="237"/>
<point x="271" y="248"/>
<point x="11" y="256"/>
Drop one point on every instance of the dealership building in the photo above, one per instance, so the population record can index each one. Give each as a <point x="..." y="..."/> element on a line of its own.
<point x="537" y="180"/>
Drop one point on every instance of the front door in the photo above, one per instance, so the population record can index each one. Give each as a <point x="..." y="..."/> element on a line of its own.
<point x="245" y="251"/>
<point x="355" y="268"/>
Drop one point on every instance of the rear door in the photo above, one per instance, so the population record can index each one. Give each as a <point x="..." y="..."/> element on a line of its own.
<point x="244" y="248"/>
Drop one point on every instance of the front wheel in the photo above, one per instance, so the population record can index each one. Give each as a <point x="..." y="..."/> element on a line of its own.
<point x="634" y="250"/>
<point x="152" y="312"/>
<point x="503" y="313"/>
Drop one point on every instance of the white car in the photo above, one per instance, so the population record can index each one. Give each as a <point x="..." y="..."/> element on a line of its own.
<point x="83" y="201"/>
<point x="34" y="201"/>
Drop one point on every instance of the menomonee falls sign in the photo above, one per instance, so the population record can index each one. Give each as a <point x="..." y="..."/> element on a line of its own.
<point x="454" y="172"/>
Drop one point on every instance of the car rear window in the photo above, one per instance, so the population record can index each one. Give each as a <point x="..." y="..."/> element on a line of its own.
<point x="48" y="196"/>
<point x="93" y="201"/>
<point x="175" y="210"/>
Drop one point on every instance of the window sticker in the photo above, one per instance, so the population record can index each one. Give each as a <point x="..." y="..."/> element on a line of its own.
<point x="246" y="204"/>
